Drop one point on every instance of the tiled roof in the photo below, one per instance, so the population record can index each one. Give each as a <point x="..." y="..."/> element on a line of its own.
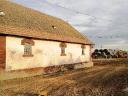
<point x="22" y="21"/>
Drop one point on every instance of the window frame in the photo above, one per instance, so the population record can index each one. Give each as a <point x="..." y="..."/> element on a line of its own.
<point x="27" y="43"/>
<point x="63" y="45"/>
<point x="83" y="49"/>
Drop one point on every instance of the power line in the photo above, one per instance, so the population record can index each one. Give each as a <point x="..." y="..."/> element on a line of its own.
<point x="77" y="12"/>
<point x="109" y="37"/>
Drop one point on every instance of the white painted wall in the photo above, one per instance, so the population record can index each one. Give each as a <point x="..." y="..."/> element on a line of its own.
<point x="46" y="53"/>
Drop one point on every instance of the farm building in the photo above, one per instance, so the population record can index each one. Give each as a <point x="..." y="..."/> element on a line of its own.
<point x="31" y="39"/>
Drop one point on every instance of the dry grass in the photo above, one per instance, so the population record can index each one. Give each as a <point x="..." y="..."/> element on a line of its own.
<point x="111" y="61"/>
<point x="96" y="81"/>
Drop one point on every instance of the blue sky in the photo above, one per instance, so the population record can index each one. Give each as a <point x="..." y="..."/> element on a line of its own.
<point x="105" y="22"/>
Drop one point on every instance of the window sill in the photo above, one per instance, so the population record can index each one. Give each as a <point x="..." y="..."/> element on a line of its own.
<point x="27" y="55"/>
<point x="63" y="55"/>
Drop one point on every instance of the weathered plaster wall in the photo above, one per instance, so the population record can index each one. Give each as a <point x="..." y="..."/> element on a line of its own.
<point x="46" y="53"/>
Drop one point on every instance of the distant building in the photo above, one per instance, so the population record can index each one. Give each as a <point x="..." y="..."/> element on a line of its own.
<point x="30" y="39"/>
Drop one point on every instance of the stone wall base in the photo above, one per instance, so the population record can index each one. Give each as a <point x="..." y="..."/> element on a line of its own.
<point x="84" y="65"/>
<point x="42" y="70"/>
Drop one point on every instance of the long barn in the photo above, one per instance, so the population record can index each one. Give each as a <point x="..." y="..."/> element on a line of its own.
<point x="31" y="39"/>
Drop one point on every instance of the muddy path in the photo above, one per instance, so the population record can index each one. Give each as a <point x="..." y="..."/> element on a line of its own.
<point x="96" y="81"/>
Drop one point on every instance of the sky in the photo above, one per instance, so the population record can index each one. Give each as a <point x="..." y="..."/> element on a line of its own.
<point x="105" y="22"/>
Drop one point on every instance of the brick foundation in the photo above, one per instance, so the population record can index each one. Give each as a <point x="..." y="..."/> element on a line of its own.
<point x="2" y="52"/>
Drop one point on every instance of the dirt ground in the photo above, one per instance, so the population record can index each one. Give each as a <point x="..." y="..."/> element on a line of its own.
<point x="96" y="81"/>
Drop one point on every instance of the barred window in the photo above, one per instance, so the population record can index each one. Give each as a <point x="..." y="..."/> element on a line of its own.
<point x="83" y="53"/>
<point x="63" y="46"/>
<point x="27" y="50"/>
<point x="63" y="51"/>
<point x="83" y="49"/>
<point x="28" y="43"/>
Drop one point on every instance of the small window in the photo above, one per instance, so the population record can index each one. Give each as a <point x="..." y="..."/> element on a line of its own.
<point x="83" y="49"/>
<point x="63" y="51"/>
<point x="63" y="46"/>
<point x="27" y="50"/>
<point x="83" y="53"/>
<point x="28" y="43"/>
